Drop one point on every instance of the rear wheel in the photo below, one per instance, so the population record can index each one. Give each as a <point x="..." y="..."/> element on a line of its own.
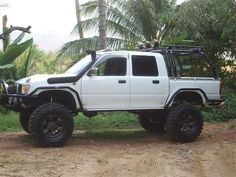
<point x="184" y="123"/>
<point x="51" y="124"/>
<point x="152" y="121"/>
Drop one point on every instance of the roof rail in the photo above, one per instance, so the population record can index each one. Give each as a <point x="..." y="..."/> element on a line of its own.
<point x="186" y="47"/>
<point x="105" y="50"/>
<point x="174" y="48"/>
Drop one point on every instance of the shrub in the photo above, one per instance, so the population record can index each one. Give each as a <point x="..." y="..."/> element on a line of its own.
<point x="225" y="112"/>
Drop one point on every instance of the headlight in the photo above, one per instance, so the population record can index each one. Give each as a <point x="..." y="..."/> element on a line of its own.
<point x="25" y="89"/>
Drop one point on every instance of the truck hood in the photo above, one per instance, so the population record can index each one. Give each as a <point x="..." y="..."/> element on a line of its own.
<point x="41" y="78"/>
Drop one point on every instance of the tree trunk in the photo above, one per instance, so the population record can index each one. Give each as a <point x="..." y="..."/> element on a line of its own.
<point x="6" y="39"/>
<point x="78" y="16"/>
<point x="102" y="8"/>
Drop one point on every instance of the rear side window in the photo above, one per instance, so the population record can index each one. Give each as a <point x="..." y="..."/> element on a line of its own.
<point x="192" y="65"/>
<point x="144" y="66"/>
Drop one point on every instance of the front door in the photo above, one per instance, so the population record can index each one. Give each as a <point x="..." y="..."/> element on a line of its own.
<point x="109" y="89"/>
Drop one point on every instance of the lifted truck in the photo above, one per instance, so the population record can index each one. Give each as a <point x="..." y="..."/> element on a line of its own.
<point x="164" y="86"/>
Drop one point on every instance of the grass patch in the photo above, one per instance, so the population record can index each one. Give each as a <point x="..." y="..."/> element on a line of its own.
<point x="10" y="122"/>
<point x="118" y="120"/>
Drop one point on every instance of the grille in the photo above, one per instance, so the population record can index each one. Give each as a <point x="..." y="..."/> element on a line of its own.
<point x="19" y="88"/>
<point x="12" y="89"/>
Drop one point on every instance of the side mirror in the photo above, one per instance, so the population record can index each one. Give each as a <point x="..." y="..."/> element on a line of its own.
<point x="93" y="72"/>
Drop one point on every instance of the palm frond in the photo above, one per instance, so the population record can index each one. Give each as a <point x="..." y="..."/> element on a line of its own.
<point x="123" y="31"/>
<point x="116" y="43"/>
<point x="75" y="48"/>
<point x="128" y="22"/>
<point x="120" y="24"/>
<point x="143" y="14"/>
<point x="89" y="8"/>
<point x="87" y="25"/>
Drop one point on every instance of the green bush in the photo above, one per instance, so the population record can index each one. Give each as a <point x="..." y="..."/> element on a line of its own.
<point x="225" y="112"/>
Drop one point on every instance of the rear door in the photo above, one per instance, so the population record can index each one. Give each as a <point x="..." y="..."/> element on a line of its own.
<point x="149" y="82"/>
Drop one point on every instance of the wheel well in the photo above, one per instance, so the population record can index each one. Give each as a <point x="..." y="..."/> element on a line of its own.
<point x="190" y="97"/>
<point x="58" y="96"/>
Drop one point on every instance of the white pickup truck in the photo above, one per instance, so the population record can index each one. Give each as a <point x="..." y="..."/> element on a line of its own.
<point x="163" y="86"/>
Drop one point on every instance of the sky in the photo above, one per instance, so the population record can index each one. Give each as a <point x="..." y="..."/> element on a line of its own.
<point x="52" y="20"/>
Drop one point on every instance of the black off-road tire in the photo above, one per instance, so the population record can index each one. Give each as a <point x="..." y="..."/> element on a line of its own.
<point x="51" y="124"/>
<point x="24" y="120"/>
<point x="184" y="123"/>
<point x="153" y="122"/>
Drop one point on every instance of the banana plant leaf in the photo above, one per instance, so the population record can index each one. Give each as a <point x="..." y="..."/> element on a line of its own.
<point x="13" y="51"/>
<point x="7" y="66"/>
<point x="19" y="38"/>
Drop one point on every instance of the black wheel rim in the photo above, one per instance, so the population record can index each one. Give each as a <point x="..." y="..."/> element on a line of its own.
<point x="154" y="121"/>
<point x="52" y="125"/>
<point x="188" y="124"/>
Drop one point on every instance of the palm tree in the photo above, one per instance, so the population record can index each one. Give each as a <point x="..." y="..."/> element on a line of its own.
<point x="78" y="17"/>
<point x="102" y="23"/>
<point x="128" y="23"/>
<point x="6" y="40"/>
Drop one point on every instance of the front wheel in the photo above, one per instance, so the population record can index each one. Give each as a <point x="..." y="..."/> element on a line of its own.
<point x="184" y="123"/>
<point x="51" y="124"/>
<point x="24" y="120"/>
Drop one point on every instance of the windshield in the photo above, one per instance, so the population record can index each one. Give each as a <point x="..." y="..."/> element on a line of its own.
<point x="80" y="65"/>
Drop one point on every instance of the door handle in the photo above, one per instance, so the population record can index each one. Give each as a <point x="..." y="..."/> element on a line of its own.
<point x="121" y="81"/>
<point x="155" y="81"/>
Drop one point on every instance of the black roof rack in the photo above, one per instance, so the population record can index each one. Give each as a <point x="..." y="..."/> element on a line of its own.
<point x="174" y="48"/>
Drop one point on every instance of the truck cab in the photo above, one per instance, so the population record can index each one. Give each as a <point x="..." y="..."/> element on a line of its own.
<point x="125" y="81"/>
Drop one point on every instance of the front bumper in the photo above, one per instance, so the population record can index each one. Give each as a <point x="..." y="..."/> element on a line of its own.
<point x="13" y="101"/>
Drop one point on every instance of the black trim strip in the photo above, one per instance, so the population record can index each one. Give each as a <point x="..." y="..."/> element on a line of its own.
<point x="58" y="80"/>
<point x="53" y="88"/>
<point x="19" y="96"/>
<point x="173" y="63"/>
<point x="215" y="102"/>
<point x="216" y="75"/>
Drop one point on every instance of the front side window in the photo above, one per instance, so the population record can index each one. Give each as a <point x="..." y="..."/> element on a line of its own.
<point x="115" y="66"/>
<point x="192" y="65"/>
<point x="144" y="66"/>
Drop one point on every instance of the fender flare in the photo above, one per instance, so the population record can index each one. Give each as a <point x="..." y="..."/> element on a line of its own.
<point x="75" y="94"/>
<point x="170" y="100"/>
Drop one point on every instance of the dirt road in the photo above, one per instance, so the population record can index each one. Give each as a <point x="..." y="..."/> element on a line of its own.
<point x="115" y="154"/>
